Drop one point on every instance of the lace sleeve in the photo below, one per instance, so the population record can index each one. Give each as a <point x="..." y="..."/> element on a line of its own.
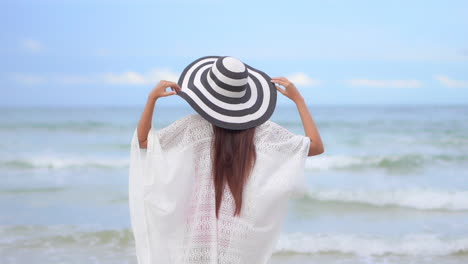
<point x="285" y="147"/>
<point x="272" y="137"/>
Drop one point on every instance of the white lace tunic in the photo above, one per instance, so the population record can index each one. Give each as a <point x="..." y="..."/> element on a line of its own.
<point x="172" y="200"/>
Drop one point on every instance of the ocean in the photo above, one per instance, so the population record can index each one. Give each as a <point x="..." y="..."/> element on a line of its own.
<point x="391" y="187"/>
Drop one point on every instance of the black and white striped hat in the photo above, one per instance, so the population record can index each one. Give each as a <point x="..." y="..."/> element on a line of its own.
<point x="227" y="92"/>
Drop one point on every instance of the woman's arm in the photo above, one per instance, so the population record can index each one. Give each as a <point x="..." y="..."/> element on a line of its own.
<point x="310" y="129"/>
<point x="144" y="125"/>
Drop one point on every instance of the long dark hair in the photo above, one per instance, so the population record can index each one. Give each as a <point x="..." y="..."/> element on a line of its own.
<point x="233" y="158"/>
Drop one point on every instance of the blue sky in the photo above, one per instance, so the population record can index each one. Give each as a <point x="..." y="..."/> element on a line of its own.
<point x="336" y="52"/>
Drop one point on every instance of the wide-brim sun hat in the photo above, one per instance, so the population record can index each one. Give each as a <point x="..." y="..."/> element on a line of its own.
<point x="227" y="92"/>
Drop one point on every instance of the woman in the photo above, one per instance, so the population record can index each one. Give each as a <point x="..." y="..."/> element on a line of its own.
<point x="213" y="187"/>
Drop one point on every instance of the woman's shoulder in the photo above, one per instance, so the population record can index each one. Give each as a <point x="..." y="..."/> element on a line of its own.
<point x="273" y="129"/>
<point x="186" y="122"/>
<point x="195" y="123"/>
<point x="184" y="131"/>
<point x="271" y="136"/>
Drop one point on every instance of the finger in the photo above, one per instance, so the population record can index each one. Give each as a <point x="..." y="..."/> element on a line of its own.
<point x="165" y="84"/>
<point x="177" y="88"/>
<point x="279" y="81"/>
<point x="280" y="89"/>
<point x="168" y="93"/>
<point x="167" y="90"/>
<point x="173" y="85"/>
<point x="285" y="82"/>
<point x="279" y="78"/>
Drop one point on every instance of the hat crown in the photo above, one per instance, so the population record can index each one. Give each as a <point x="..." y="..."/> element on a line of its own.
<point x="229" y="77"/>
<point x="233" y="65"/>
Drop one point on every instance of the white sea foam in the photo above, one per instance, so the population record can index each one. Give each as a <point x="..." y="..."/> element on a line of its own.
<point x="419" y="198"/>
<point x="366" y="245"/>
<point x="323" y="162"/>
<point x="395" y="161"/>
<point x="58" y="162"/>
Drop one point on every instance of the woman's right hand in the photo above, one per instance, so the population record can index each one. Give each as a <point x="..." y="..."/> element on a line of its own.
<point x="291" y="91"/>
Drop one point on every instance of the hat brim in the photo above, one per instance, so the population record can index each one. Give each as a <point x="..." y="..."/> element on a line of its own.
<point x="252" y="109"/>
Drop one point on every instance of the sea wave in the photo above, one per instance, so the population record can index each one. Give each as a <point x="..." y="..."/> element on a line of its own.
<point x="32" y="190"/>
<point x="418" y="198"/>
<point x="401" y="161"/>
<point x="33" y="236"/>
<point x="55" y="162"/>
<point x="76" y="126"/>
<point x="27" y="236"/>
<point x="338" y="162"/>
<point x="366" y="245"/>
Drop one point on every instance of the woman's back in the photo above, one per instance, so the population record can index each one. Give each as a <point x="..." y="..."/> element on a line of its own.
<point x="172" y="197"/>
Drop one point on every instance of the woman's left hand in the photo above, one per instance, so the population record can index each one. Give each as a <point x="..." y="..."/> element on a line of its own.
<point x="160" y="89"/>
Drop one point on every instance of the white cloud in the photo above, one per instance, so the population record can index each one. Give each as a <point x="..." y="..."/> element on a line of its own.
<point x="130" y="77"/>
<point x="66" y="79"/>
<point x="446" y="81"/>
<point x="31" y="45"/>
<point x="302" y="79"/>
<point x="156" y="75"/>
<point x="385" y="83"/>
<point x="153" y="76"/>
<point x="28" y="79"/>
